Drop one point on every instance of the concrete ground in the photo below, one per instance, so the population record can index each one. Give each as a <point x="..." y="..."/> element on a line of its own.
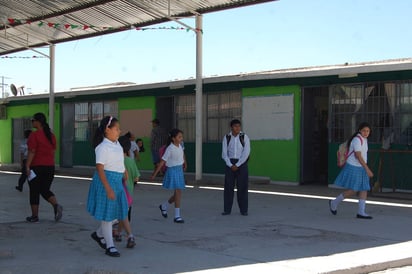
<point x="289" y="230"/>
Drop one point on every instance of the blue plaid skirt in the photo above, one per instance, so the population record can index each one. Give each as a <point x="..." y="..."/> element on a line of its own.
<point x="353" y="177"/>
<point x="102" y="208"/>
<point x="174" y="178"/>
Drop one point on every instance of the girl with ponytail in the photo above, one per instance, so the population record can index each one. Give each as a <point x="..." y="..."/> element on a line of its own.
<point x="355" y="174"/>
<point x="107" y="199"/>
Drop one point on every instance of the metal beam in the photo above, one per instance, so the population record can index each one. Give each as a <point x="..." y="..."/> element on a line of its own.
<point x="199" y="95"/>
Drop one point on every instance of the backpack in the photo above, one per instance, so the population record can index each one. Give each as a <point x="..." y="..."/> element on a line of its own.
<point x="343" y="154"/>
<point x="241" y="138"/>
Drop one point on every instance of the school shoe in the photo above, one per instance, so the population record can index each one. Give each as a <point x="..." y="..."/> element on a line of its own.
<point x="32" y="219"/>
<point x="58" y="212"/>
<point x="131" y="242"/>
<point x="244" y="213"/>
<point x="117" y="237"/>
<point x="163" y="211"/>
<point x="359" y="216"/>
<point x="112" y="252"/>
<point x="19" y="188"/>
<point x="179" y="220"/>
<point x="331" y="210"/>
<point x="98" y="240"/>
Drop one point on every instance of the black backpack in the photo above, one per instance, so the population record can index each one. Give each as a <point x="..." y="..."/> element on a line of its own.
<point x="241" y="138"/>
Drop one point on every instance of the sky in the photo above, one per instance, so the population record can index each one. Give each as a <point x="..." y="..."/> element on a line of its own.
<point x="276" y="35"/>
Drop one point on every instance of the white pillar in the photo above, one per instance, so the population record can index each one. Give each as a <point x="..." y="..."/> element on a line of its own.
<point x="51" y="86"/>
<point x="199" y="94"/>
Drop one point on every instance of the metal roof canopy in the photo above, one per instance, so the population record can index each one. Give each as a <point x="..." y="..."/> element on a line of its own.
<point x="37" y="23"/>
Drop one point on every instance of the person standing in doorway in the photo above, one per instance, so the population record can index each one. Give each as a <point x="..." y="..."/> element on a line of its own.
<point x="355" y="174"/>
<point x="158" y="138"/>
<point x="40" y="167"/>
<point x="23" y="160"/>
<point x="235" y="153"/>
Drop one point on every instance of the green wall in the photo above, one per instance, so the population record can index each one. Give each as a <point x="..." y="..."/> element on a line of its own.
<point x="277" y="159"/>
<point x="24" y="111"/>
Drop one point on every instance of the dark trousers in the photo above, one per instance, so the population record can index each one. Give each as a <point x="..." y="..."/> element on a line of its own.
<point x="23" y="176"/>
<point x="41" y="184"/>
<point x="240" y="178"/>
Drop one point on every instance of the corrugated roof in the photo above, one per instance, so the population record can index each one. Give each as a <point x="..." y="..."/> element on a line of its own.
<point x="35" y="23"/>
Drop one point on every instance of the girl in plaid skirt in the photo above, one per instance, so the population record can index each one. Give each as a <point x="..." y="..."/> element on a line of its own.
<point x="107" y="200"/>
<point x="175" y="161"/>
<point x="355" y="174"/>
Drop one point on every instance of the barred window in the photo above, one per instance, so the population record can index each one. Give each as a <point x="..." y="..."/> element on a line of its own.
<point x="218" y="110"/>
<point x="387" y="107"/>
<point x="88" y="116"/>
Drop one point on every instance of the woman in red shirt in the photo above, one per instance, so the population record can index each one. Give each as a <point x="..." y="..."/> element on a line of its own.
<point x="40" y="167"/>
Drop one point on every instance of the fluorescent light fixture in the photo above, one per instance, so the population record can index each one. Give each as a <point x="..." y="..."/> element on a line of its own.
<point x="348" y="75"/>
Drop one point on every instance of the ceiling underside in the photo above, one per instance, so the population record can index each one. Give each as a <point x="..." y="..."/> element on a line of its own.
<point x="35" y="23"/>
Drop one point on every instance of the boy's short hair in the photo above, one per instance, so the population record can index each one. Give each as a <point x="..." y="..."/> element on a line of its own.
<point x="235" y="122"/>
<point x="125" y="143"/>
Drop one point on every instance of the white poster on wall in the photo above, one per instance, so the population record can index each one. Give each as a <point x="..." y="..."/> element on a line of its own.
<point x="268" y="117"/>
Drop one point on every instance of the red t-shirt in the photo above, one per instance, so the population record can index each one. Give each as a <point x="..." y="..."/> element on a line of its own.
<point x="42" y="148"/>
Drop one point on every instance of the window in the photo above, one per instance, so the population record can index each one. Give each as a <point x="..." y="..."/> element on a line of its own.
<point x="386" y="106"/>
<point x="88" y="116"/>
<point x="218" y="110"/>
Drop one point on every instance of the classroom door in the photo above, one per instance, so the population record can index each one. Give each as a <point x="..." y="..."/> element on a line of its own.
<point x="314" y="135"/>
<point x="165" y="112"/>
<point x="67" y="135"/>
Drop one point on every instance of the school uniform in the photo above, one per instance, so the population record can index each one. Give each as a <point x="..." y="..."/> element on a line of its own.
<point x="236" y="153"/>
<point x="110" y="154"/>
<point x="353" y="175"/>
<point x="174" y="158"/>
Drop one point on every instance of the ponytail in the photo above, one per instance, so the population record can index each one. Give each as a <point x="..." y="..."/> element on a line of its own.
<point x="172" y="134"/>
<point x="46" y="128"/>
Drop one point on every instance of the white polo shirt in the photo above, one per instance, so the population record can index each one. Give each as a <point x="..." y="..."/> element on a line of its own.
<point x="174" y="155"/>
<point x="110" y="154"/>
<point x="355" y="146"/>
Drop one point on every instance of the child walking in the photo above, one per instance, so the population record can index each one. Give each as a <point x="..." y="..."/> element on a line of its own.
<point x="107" y="199"/>
<point x="355" y="174"/>
<point x="128" y="185"/>
<point x="175" y="161"/>
<point x="23" y="160"/>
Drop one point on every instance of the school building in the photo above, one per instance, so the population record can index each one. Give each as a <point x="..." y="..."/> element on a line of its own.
<point x="295" y="118"/>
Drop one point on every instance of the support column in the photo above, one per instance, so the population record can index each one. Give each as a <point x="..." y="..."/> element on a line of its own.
<point x="51" y="85"/>
<point x="199" y="95"/>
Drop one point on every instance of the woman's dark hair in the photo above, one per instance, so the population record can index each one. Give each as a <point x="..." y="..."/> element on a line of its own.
<point x="41" y="118"/>
<point x="125" y="143"/>
<point x="141" y="149"/>
<point x="360" y="127"/>
<point x="172" y="134"/>
<point x="106" y="122"/>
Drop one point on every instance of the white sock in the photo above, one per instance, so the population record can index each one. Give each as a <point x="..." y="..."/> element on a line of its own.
<point x="99" y="234"/>
<point x="334" y="204"/>
<point x="361" y="207"/>
<point x="164" y="205"/>
<point x="177" y="212"/>
<point x="107" y="233"/>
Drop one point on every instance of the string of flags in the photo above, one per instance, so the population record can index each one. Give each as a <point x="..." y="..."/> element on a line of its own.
<point x="55" y="25"/>
<point x="22" y="57"/>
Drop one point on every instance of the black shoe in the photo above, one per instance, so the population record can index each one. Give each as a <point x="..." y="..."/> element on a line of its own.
<point x="32" y="219"/>
<point x="163" y="212"/>
<point x="179" y="220"/>
<point x="112" y="252"/>
<point x="225" y="213"/>
<point x="243" y="213"/>
<point x="98" y="240"/>
<point x="331" y="210"/>
<point x="363" y="216"/>
<point x="19" y="188"/>
<point x="58" y="212"/>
